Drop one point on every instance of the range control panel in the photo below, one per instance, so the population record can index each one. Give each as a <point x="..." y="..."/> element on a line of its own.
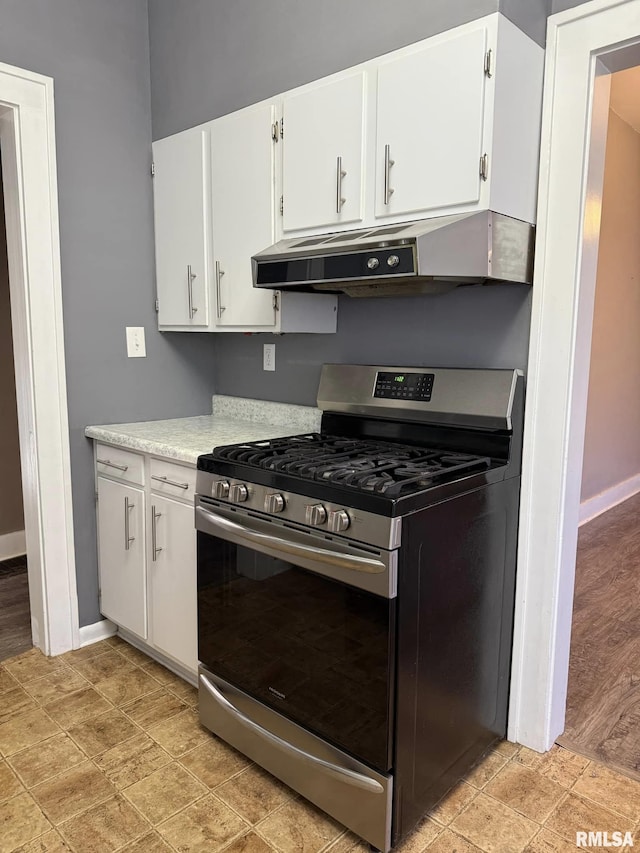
<point x="404" y="386"/>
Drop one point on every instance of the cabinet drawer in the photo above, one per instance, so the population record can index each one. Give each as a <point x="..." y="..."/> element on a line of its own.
<point x="120" y="464"/>
<point x="167" y="478"/>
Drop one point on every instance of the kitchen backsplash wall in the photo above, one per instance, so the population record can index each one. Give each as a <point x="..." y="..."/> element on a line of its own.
<point x="98" y="53"/>
<point x="469" y="327"/>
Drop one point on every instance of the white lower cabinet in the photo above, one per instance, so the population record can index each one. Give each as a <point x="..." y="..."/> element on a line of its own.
<point x="121" y="555"/>
<point x="147" y="553"/>
<point x="172" y="580"/>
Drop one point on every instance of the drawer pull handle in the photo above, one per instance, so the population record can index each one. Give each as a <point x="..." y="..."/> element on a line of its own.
<point x="113" y="465"/>
<point x="169" y="482"/>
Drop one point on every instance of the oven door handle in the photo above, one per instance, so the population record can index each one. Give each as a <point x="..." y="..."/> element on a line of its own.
<point x="343" y="773"/>
<point x="242" y="534"/>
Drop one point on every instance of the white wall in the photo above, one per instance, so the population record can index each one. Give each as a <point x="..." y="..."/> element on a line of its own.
<point x="612" y="440"/>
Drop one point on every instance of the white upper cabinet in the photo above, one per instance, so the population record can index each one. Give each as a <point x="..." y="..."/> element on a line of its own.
<point x="242" y="181"/>
<point x="214" y="199"/>
<point x="430" y="115"/>
<point x="323" y="158"/>
<point x="182" y="226"/>
<point x="448" y="125"/>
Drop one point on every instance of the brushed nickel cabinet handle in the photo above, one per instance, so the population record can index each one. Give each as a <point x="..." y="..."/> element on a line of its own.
<point x="219" y="305"/>
<point x="128" y="539"/>
<point x="190" y="277"/>
<point x="340" y="174"/>
<point x="154" y="533"/>
<point x="162" y="479"/>
<point x="388" y="163"/>
<point x="112" y="464"/>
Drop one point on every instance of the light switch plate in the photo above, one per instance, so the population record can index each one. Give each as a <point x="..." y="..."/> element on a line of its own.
<point x="269" y="357"/>
<point x="136" y="347"/>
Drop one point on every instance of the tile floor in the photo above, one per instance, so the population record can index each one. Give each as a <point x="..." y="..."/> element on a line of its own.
<point x="101" y="751"/>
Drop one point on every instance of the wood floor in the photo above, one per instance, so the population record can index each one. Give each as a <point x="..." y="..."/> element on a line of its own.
<point x="15" y="620"/>
<point x="603" y="707"/>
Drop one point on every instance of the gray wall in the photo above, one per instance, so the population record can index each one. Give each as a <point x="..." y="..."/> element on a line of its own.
<point x="561" y="5"/>
<point x="98" y="53"/>
<point x="11" y="513"/>
<point x="210" y="57"/>
<point x="468" y="327"/>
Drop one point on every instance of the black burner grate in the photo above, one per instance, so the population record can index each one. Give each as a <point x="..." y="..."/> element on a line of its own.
<point x="378" y="467"/>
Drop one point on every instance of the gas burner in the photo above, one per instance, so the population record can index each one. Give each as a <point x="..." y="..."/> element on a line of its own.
<point x="376" y="467"/>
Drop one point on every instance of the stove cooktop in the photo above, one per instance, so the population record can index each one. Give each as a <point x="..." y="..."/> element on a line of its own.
<point x="362" y="472"/>
<point x="382" y="468"/>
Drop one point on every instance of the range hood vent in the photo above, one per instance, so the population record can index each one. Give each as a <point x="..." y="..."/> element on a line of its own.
<point x="428" y="256"/>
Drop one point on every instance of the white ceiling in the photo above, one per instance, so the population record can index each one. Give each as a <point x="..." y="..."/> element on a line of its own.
<point x="625" y="96"/>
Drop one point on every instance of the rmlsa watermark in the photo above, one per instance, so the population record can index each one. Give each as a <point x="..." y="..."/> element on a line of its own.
<point x="604" y="839"/>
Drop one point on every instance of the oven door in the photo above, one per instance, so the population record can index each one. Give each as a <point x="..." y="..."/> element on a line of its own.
<point x="301" y="621"/>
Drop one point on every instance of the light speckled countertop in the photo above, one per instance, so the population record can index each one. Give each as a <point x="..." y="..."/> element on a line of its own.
<point x="233" y="419"/>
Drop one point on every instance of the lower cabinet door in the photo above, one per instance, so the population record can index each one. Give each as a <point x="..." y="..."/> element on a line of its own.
<point x="121" y="555"/>
<point x="172" y="581"/>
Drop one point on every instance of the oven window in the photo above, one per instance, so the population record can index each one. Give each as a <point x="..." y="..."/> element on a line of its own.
<point x="317" y="651"/>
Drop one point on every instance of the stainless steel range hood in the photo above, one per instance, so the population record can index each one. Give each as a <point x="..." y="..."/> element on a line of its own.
<point x="428" y="256"/>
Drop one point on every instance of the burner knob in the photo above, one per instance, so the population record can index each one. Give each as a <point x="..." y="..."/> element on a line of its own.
<point x="238" y="493"/>
<point x="221" y="489"/>
<point x="339" y="521"/>
<point x="315" y="514"/>
<point x="274" y="503"/>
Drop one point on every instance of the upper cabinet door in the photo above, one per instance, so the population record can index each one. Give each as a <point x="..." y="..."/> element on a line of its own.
<point x="243" y="187"/>
<point x="323" y="154"/>
<point x="181" y="206"/>
<point x="429" y="126"/>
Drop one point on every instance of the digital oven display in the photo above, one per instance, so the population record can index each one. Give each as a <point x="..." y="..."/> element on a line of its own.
<point x="404" y="386"/>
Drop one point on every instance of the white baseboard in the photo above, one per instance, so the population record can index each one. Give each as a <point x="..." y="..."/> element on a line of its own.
<point x="96" y="632"/>
<point x="598" y="504"/>
<point x="12" y="545"/>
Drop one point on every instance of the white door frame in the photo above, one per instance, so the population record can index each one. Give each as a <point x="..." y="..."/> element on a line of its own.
<point x="583" y="45"/>
<point x="27" y="137"/>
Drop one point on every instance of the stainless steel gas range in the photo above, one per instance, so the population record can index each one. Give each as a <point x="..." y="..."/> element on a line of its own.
<point x="356" y="590"/>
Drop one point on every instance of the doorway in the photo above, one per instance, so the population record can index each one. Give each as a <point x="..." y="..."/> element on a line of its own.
<point x="27" y="142"/>
<point x="585" y="47"/>
<point x="603" y="700"/>
<point x="15" y="619"/>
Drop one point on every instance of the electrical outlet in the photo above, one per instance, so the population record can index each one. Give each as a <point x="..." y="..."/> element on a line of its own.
<point x="136" y="347"/>
<point x="269" y="357"/>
